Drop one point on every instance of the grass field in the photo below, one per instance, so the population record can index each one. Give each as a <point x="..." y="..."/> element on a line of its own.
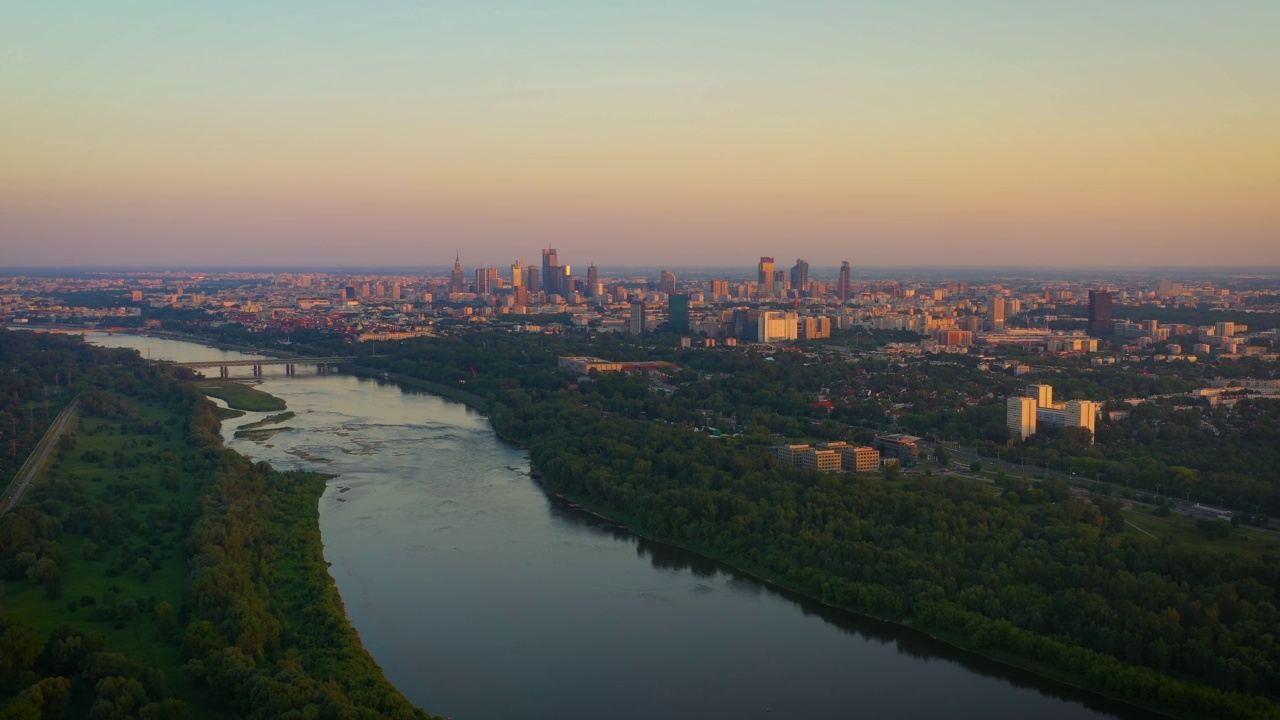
<point x="1182" y="529"/>
<point x="240" y="396"/>
<point x="127" y="558"/>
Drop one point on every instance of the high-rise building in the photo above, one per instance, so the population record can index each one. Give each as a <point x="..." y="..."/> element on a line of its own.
<point x="548" y="275"/>
<point x="1020" y="416"/>
<point x="564" y="280"/>
<point x="397" y="291"/>
<point x="814" y="328"/>
<point x="531" y="280"/>
<point x="1083" y="413"/>
<point x="778" y="327"/>
<point x="1042" y="393"/>
<point x="1100" y="313"/>
<point x="846" y="281"/>
<point x="458" y="281"/>
<point x="517" y="274"/>
<point x="679" y="310"/>
<point x="764" y="272"/>
<point x="800" y="275"/>
<point x="593" y="279"/>
<point x="667" y="282"/>
<point x="995" y="314"/>
<point x="637" y="318"/>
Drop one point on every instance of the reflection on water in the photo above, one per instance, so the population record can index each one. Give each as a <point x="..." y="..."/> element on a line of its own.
<point x="481" y="597"/>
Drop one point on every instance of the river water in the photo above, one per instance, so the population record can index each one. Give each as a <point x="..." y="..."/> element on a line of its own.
<point x="484" y="599"/>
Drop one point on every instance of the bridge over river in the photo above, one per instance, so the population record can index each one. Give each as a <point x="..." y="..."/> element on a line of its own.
<point x="290" y="363"/>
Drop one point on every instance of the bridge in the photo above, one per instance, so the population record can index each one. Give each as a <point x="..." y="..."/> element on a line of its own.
<point x="224" y="366"/>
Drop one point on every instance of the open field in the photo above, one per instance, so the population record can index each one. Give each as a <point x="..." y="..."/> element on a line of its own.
<point x="240" y="396"/>
<point x="1182" y="529"/>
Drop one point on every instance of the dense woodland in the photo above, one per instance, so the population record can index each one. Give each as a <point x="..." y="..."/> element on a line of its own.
<point x="155" y="574"/>
<point x="1033" y="574"/>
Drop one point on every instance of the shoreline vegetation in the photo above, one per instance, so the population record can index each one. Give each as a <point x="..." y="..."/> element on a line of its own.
<point x="269" y="420"/>
<point x="593" y="446"/>
<point x="618" y="519"/>
<point x="155" y="573"/>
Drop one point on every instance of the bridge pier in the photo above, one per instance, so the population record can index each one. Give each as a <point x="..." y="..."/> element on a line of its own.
<point x="224" y="372"/>
<point x="257" y="371"/>
<point x="288" y="370"/>
<point x="322" y="368"/>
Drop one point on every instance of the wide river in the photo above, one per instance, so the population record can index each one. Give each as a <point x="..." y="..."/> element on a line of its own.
<point x="484" y="599"/>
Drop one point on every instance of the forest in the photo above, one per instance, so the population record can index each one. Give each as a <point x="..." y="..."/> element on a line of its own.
<point x="1026" y="572"/>
<point x="152" y="573"/>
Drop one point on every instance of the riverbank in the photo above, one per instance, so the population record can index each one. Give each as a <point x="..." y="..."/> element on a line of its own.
<point x="239" y="396"/>
<point x="932" y="621"/>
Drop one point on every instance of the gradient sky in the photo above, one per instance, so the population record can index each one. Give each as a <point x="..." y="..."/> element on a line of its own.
<point x="1026" y="132"/>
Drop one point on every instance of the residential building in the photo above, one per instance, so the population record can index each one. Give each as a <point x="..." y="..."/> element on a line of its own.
<point x="1020" y="416"/>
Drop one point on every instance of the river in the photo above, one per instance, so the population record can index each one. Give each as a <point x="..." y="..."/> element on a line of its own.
<point x="484" y="599"/>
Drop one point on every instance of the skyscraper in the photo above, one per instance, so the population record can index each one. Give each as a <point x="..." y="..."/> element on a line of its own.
<point x="800" y="275"/>
<point x="593" y="278"/>
<point x="637" y="318"/>
<point x="517" y="274"/>
<point x="1100" y="313"/>
<point x="531" y="279"/>
<point x="667" y="282"/>
<point x="458" y="282"/>
<point x="549" y="261"/>
<point x="764" y="273"/>
<point x="679" y="309"/>
<point x="846" y="281"/>
<point x="995" y="314"/>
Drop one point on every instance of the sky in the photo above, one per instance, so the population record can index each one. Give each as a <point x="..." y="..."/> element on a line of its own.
<point x="977" y="133"/>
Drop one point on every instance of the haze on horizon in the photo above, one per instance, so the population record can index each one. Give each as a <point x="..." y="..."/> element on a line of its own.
<point x="1090" y="133"/>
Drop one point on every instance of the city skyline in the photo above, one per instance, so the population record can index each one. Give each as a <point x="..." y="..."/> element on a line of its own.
<point x="1131" y="134"/>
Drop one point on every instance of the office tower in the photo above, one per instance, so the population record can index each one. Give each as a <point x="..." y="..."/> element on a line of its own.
<point x="517" y="274"/>
<point x="457" y="283"/>
<point x="814" y="328"/>
<point x="1020" y="416"/>
<point x="531" y="280"/>
<point x="482" y="281"/>
<point x="846" y="281"/>
<point x="764" y="275"/>
<point x="800" y="275"/>
<point x="1043" y="394"/>
<point x="779" y="282"/>
<point x="564" y="280"/>
<point x="637" y="318"/>
<point x="719" y="289"/>
<point x="593" y="278"/>
<point x="1100" y="313"/>
<point x="679" y="310"/>
<point x="549" y="261"/>
<point x="995" y="314"/>
<point x="348" y="293"/>
<point x="778" y="327"/>
<point x="667" y="282"/>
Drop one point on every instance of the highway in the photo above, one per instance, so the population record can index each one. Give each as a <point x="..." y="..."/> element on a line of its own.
<point x="31" y="468"/>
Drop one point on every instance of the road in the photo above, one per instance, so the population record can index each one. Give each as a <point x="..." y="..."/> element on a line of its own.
<point x="31" y="468"/>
